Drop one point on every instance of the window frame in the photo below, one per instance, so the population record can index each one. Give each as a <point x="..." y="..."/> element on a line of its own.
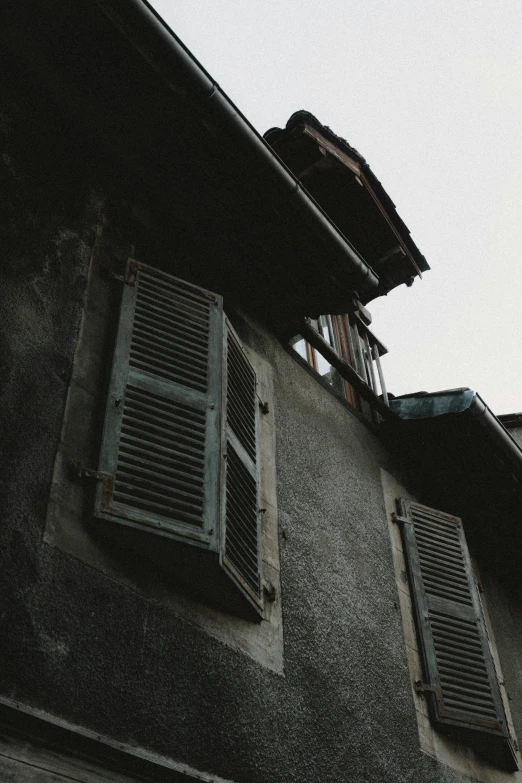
<point x="352" y="352"/>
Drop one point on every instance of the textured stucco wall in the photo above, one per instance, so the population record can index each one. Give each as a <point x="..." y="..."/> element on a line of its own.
<point x="92" y="651"/>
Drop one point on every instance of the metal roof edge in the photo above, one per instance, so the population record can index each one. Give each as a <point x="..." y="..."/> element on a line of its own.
<point x="463" y="402"/>
<point x="425" y="405"/>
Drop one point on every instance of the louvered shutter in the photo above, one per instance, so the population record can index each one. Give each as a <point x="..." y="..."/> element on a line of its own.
<point x="459" y="671"/>
<point x="161" y="445"/>
<point x="241" y="530"/>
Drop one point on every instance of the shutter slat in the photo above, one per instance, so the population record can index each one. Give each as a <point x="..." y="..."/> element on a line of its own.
<point x="184" y="426"/>
<point x="157" y="294"/>
<point x="174" y="326"/>
<point x="161" y="476"/>
<point x="161" y="454"/>
<point x="154" y="509"/>
<point x="241" y="495"/>
<point x="457" y="661"/>
<point x="157" y="484"/>
<point x="151" y="424"/>
<point x="430" y="563"/>
<point x="168" y="350"/>
<point x="145" y="434"/>
<point x="465" y="671"/>
<point x="244" y="502"/>
<point x="440" y="555"/>
<point x="194" y="365"/>
<point x="143" y="489"/>
<point x="184" y="415"/>
<point x="168" y="371"/>
<point x="178" y="288"/>
<point x="167" y="470"/>
<point x="148" y="326"/>
<point x="241" y="397"/>
<point x="241" y="516"/>
<point x="175" y="311"/>
<point x="170" y="314"/>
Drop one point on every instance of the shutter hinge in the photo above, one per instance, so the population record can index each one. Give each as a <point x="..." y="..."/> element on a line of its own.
<point x="422" y="687"/>
<point x="96" y="475"/>
<point x="400" y="520"/>
<point x="84" y="472"/>
<point x="127" y="279"/>
<point x="262" y="404"/>
<point x="269" y="590"/>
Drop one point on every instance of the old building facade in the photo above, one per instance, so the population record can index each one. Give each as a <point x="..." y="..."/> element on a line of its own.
<point x="228" y="552"/>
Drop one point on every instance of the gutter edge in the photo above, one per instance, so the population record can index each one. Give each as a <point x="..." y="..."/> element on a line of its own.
<point x="209" y="92"/>
<point x="485" y="417"/>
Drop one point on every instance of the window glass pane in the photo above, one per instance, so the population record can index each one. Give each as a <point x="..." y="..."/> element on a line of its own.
<point x="299" y="345"/>
<point x="326" y="329"/>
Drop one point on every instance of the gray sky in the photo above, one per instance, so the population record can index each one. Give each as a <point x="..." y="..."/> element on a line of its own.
<point x="430" y="93"/>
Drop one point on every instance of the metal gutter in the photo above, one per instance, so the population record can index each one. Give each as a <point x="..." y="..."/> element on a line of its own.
<point x="491" y="425"/>
<point x="158" y="44"/>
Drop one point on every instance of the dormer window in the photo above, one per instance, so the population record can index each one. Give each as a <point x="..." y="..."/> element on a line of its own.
<point x="345" y="187"/>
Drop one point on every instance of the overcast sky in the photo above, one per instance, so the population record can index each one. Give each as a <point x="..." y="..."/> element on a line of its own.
<point x="430" y="93"/>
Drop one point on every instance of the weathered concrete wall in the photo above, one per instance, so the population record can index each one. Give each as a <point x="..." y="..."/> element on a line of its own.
<point x="45" y="250"/>
<point x="92" y="651"/>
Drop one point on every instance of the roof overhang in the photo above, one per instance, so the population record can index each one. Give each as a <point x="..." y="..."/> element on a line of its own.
<point x="157" y="124"/>
<point x="343" y="183"/>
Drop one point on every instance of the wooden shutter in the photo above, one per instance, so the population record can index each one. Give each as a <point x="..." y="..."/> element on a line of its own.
<point x="460" y="676"/>
<point x="161" y="444"/>
<point x="241" y="543"/>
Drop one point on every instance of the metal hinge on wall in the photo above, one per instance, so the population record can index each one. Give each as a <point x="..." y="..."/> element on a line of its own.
<point x="129" y="278"/>
<point x="263" y="406"/>
<point x="108" y="481"/>
<point x="269" y="590"/>
<point x="400" y="520"/>
<point x="423" y="687"/>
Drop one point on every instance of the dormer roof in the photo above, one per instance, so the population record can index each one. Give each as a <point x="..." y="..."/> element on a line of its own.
<point x="343" y="184"/>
